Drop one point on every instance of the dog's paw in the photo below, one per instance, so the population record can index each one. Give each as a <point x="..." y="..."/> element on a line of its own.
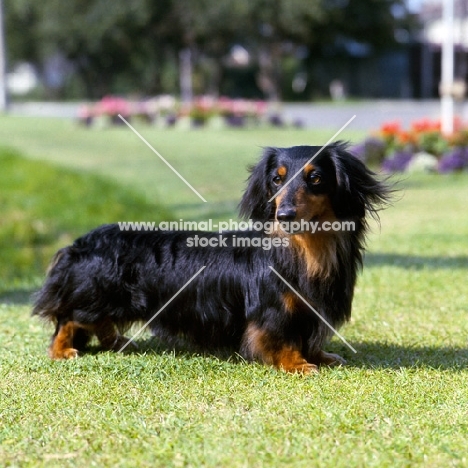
<point x="332" y="360"/>
<point x="327" y="359"/>
<point x="65" y="353"/>
<point x="308" y="368"/>
<point x="301" y="368"/>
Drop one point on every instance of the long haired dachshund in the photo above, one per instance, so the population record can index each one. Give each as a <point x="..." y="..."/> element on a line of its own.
<point x="111" y="278"/>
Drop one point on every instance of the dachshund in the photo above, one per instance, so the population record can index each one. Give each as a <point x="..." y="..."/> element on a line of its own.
<point x="275" y="297"/>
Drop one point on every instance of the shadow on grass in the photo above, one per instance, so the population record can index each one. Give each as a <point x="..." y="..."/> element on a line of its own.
<point x="370" y="355"/>
<point x="377" y="355"/>
<point x="178" y="349"/>
<point x="415" y="262"/>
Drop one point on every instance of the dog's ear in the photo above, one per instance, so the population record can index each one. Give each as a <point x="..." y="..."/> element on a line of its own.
<point x="358" y="190"/>
<point x="254" y="203"/>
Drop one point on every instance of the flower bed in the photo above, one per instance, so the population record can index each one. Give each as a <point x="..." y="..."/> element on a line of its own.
<point x="421" y="148"/>
<point x="106" y="112"/>
<point x="165" y="111"/>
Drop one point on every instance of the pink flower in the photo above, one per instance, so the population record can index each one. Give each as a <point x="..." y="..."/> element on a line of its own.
<point x="112" y="106"/>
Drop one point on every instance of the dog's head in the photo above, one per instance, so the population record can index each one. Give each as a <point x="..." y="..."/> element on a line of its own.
<point x="290" y="184"/>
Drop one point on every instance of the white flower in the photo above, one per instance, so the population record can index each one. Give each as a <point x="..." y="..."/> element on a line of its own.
<point x="422" y="162"/>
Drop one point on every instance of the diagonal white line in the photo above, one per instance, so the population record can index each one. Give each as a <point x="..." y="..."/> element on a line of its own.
<point x="312" y="158"/>
<point x="162" y="159"/>
<point x="313" y="310"/>
<point x="162" y="308"/>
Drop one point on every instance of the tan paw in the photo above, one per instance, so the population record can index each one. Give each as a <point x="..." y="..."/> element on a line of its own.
<point x="308" y="368"/>
<point x="64" y="353"/>
<point x="300" y="368"/>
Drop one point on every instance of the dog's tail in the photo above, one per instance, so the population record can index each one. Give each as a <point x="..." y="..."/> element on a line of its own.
<point x="48" y="300"/>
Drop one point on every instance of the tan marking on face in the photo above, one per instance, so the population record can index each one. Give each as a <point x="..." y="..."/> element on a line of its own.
<point x="310" y="206"/>
<point x="308" y="168"/>
<point x="282" y="171"/>
<point x="317" y="250"/>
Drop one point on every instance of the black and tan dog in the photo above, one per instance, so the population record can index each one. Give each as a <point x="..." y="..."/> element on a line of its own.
<point x="109" y="279"/>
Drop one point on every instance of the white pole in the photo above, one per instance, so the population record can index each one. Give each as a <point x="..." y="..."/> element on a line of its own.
<point x="447" y="68"/>
<point x="3" y="94"/>
<point x="185" y="75"/>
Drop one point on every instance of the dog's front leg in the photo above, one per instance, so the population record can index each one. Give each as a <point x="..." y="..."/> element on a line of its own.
<point x="327" y="359"/>
<point x="263" y="345"/>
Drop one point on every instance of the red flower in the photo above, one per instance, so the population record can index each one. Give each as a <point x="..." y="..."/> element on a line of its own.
<point x="405" y="137"/>
<point x="390" y="129"/>
<point x="426" y="125"/>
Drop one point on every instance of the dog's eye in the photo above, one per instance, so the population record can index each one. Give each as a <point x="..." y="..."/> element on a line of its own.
<point x="277" y="180"/>
<point x="315" y="179"/>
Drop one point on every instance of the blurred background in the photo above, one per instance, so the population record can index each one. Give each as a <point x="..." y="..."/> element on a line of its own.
<point x="193" y="75"/>
<point x="290" y="50"/>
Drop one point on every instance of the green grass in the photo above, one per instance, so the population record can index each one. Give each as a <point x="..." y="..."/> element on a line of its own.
<point x="45" y="207"/>
<point x="401" y="402"/>
<point x="213" y="161"/>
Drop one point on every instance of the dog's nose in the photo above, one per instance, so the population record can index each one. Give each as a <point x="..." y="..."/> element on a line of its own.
<point x="286" y="214"/>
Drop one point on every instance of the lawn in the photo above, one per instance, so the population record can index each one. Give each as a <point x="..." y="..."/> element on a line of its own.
<point x="213" y="161"/>
<point x="45" y="207"/>
<point x="402" y="401"/>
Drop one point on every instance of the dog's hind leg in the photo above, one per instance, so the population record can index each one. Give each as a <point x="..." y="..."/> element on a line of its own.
<point x="110" y="339"/>
<point x="71" y="336"/>
<point x="67" y="335"/>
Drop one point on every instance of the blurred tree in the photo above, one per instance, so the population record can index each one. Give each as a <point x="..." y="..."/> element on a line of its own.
<point x="372" y="22"/>
<point x="356" y="31"/>
<point x="21" y="21"/>
<point x="274" y="25"/>
<point x="118" y="46"/>
<point x="103" y="38"/>
<point x="111" y="43"/>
